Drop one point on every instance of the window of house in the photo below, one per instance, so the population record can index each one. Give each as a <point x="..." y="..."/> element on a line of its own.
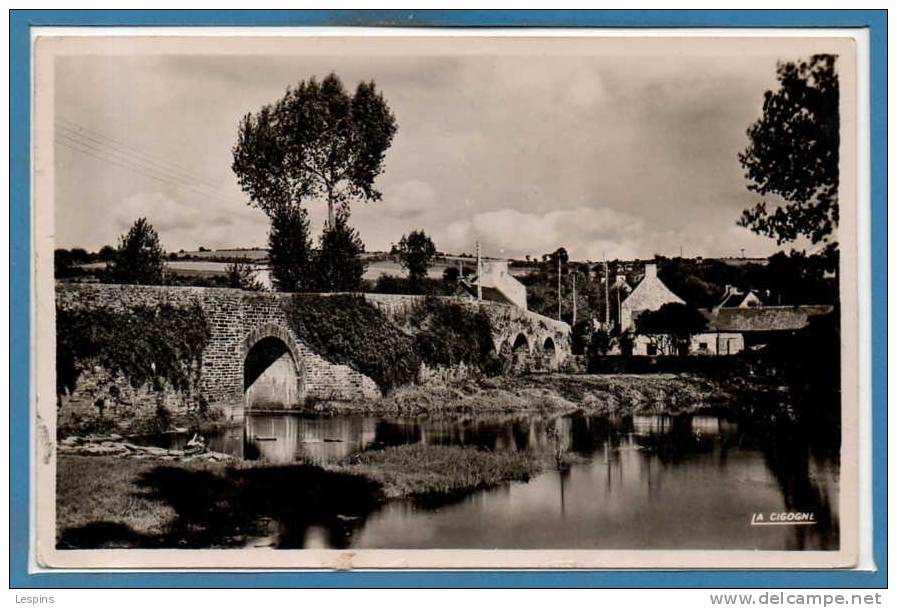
<point x="652" y="349"/>
<point x="702" y="346"/>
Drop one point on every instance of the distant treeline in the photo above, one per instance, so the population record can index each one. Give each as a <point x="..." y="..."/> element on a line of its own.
<point x="782" y="279"/>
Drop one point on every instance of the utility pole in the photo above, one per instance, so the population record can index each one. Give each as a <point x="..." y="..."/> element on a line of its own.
<point x="574" y="296"/>
<point x="479" y="274"/>
<point x="619" y="312"/>
<point x="559" y="286"/>
<point x="606" y="292"/>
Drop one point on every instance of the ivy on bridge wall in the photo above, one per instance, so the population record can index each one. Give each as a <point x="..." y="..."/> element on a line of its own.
<point x="347" y="329"/>
<point x="143" y="357"/>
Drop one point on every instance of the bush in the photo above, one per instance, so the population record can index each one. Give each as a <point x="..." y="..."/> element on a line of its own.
<point x="390" y="284"/>
<point x="347" y="330"/>
<point x="139" y="257"/>
<point x="144" y="344"/>
<point x="241" y="275"/>
<point x="448" y="334"/>
<point x="289" y="251"/>
<point x="338" y="264"/>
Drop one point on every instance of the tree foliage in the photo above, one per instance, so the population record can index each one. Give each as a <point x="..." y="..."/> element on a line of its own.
<point x="551" y="259"/>
<point x="139" y="259"/>
<point x="241" y="275"/>
<point x="339" y="266"/>
<point x="670" y="326"/>
<point x="318" y="142"/>
<point x="289" y="250"/>
<point x="671" y="318"/>
<point x="793" y="153"/>
<point x="447" y="334"/>
<point x="416" y="252"/>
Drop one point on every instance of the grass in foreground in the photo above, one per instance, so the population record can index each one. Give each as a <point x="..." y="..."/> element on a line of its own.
<point x="429" y="470"/>
<point x="118" y="502"/>
<point x="91" y="489"/>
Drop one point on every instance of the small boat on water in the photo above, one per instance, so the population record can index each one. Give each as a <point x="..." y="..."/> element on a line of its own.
<point x="265" y="438"/>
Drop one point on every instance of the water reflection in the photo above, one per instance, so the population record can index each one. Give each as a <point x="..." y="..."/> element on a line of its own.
<point x="645" y="482"/>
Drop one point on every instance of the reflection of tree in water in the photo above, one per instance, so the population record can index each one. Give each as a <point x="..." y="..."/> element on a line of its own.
<point x="396" y="432"/>
<point x="675" y="441"/>
<point x="788" y="459"/>
<point x="516" y="432"/>
<point x="589" y="434"/>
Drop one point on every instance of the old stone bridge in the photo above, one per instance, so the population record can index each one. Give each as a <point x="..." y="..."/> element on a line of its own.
<point x="254" y="357"/>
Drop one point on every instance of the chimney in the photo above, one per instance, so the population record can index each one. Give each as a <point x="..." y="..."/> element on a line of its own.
<point x="651" y="270"/>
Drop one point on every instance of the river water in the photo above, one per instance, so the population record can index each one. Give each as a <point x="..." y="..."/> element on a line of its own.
<point x="645" y="482"/>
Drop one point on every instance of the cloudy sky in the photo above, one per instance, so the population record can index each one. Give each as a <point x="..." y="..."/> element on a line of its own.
<point x="627" y="154"/>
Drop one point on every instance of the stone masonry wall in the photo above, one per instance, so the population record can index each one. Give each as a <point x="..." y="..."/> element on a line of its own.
<point x="507" y="323"/>
<point x="238" y="319"/>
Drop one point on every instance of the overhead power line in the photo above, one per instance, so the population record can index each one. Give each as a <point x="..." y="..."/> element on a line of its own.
<point x="79" y="143"/>
<point x="76" y="129"/>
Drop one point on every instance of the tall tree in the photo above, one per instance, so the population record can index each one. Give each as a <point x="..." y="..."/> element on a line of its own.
<point x="139" y="257"/>
<point x="339" y="266"/>
<point x="793" y="153"/>
<point x="416" y="252"/>
<point x="289" y="250"/>
<point x="317" y="142"/>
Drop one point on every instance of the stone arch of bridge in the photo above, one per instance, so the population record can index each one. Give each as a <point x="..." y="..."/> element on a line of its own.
<point x="273" y="370"/>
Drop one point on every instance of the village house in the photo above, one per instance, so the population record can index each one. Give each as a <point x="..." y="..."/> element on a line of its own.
<point x="649" y="294"/>
<point x="735" y="298"/>
<point x="754" y="326"/>
<point x="496" y="284"/>
<point x="740" y="321"/>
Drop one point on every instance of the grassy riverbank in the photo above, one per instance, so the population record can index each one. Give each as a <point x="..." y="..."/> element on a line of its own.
<point x="430" y="471"/>
<point x="120" y="502"/>
<point x="611" y="394"/>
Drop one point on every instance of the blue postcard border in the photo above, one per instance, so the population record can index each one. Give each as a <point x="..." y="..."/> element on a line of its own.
<point x="20" y="291"/>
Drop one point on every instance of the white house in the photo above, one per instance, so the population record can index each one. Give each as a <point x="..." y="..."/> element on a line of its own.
<point x="735" y="298"/>
<point x="497" y="284"/>
<point x="649" y="294"/>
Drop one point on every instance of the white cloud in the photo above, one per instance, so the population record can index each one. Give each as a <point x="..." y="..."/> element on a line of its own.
<point x="630" y="154"/>
<point x="586" y="232"/>
<point x="410" y="198"/>
<point x="187" y="223"/>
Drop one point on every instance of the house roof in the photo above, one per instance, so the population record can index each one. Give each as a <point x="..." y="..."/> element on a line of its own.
<point x="735" y="299"/>
<point x="762" y="318"/>
<point x="650" y="294"/>
<point x="489" y="293"/>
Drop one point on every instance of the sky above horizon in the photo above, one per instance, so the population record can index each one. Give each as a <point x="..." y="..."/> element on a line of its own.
<point x="626" y="155"/>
